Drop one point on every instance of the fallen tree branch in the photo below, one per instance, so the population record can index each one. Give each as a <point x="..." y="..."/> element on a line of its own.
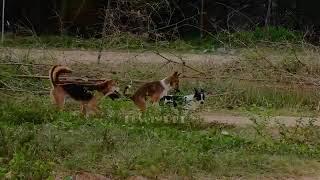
<point x="5" y="84"/>
<point x="89" y="81"/>
<point x="31" y="76"/>
<point x="66" y="80"/>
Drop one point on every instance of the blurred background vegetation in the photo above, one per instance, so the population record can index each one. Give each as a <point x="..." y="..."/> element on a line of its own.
<point x="159" y="19"/>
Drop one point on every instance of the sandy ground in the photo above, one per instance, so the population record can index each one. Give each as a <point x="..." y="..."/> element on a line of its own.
<point x="91" y="56"/>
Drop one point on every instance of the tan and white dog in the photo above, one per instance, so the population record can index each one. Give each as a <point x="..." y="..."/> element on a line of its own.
<point x="155" y="90"/>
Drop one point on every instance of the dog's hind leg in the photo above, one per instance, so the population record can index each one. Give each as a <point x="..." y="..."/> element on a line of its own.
<point x="155" y="98"/>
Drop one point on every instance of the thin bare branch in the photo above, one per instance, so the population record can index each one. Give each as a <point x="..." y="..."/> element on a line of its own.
<point x="174" y="62"/>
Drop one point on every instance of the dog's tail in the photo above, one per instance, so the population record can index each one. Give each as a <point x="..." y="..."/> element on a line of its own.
<point x="55" y="72"/>
<point x="125" y="91"/>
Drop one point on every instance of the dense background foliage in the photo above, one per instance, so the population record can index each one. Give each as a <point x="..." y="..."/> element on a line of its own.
<point x="159" y="18"/>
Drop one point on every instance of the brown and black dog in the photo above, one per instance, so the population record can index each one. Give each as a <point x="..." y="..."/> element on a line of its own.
<point x="83" y="93"/>
<point x="155" y="90"/>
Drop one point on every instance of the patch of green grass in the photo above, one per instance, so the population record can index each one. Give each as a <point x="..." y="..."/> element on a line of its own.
<point x="194" y="44"/>
<point x="110" y="144"/>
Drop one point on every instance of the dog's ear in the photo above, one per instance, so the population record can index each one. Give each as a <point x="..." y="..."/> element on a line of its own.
<point x="195" y="90"/>
<point x="202" y="90"/>
<point x="112" y="83"/>
<point x="176" y="74"/>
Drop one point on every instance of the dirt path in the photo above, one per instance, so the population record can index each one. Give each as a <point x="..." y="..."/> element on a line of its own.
<point x="245" y="121"/>
<point x="90" y="56"/>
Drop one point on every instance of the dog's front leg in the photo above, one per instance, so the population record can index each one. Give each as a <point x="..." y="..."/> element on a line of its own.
<point x="155" y="100"/>
<point x="83" y="109"/>
<point x="92" y="105"/>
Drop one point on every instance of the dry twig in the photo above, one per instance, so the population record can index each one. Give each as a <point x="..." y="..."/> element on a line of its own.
<point x="174" y="62"/>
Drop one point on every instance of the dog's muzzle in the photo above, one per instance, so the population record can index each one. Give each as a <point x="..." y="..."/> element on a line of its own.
<point x="114" y="91"/>
<point x="117" y="93"/>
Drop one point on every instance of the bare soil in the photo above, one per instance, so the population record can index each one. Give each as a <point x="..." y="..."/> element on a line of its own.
<point x="117" y="57"/>
<point x="224" y="118"/>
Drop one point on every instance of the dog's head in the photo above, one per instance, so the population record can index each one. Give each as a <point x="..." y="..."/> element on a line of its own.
<point x="199" y="95"/>
<point x="109" y="87"/>
<point x="174" y="81"/>
<point x="115" y="95"/>
<point x="167" y="99"/>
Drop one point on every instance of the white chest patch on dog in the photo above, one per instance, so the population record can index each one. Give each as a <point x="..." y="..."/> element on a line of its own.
<point x="166" y="87"/>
